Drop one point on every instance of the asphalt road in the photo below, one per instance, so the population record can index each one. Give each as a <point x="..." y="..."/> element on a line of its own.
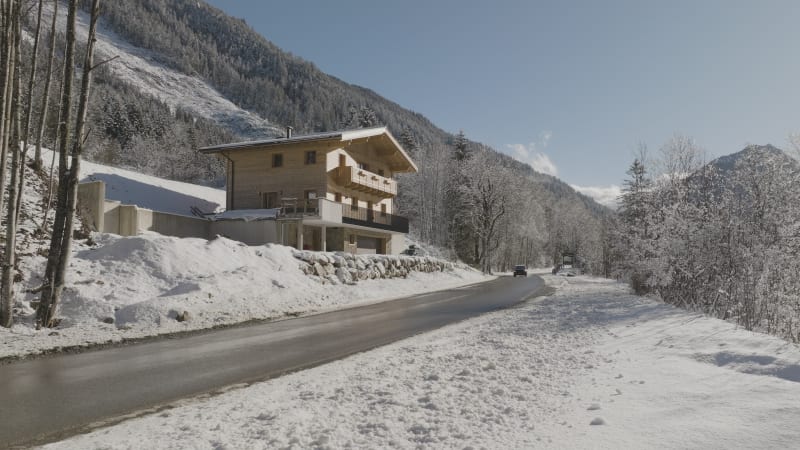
<point x="50" y="398"/>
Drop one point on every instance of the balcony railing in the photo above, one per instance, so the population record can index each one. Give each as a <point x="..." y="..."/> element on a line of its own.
<point x="364" y="181"/>
<point x="320" y="208"/>
<point x="330" y="211"/>
<point x="374" y="219"/>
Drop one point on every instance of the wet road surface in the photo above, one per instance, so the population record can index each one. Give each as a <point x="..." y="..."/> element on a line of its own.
<point x="50" y="398"/>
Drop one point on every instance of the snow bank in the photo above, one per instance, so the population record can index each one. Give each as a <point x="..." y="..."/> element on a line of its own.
<point x="588" y="367"/>
<point x="129" y="287"/>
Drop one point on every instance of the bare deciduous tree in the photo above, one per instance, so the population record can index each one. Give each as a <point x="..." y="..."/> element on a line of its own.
<point x="61" y="239"/>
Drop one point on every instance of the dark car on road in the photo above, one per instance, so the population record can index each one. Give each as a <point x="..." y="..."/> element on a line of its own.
<point x="520" y="270"/>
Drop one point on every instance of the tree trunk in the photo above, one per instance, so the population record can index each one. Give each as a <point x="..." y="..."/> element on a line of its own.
<point x="12" y="126"/>
<point x="68" y="184"/>
<point x="29" y="107"/>
<point x="37" y="156"/>
<point x="7" y="290"/>
<point x="50" y="294"/>
<point x="8" y="89"/>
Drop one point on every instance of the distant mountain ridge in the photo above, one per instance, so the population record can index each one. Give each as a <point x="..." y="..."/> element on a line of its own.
<point x="753" y="153"/>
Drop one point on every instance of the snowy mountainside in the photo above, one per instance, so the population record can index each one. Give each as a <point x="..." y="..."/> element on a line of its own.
<point x="755" y="153"/>
<point x="762" y="164"/>
<point x="140" y="68"/>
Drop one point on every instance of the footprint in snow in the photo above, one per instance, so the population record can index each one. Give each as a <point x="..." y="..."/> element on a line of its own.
<point x="597" y="421"/>
<point x="593" y="407"/>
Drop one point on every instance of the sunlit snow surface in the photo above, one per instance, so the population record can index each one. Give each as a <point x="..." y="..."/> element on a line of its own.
<point x="139" y="284"/>
<point x="588" y="367"/>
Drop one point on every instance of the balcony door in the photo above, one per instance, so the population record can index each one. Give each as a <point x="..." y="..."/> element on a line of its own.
<point x="269" y="200"/>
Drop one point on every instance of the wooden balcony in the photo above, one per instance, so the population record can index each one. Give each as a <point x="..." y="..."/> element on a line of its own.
<point x="374" y="219"/>
<point x="364" y="181"/>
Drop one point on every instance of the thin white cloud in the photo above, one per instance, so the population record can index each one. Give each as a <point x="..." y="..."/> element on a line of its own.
<point x="534" y="155"/>
<point x="605" y="195"/>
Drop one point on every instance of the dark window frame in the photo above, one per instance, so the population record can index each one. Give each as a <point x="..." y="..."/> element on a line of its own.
<point x="311" y="157"/>
<point x="277" y="160"/>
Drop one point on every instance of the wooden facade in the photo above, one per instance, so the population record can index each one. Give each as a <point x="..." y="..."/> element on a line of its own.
<point x="353" y="168"/>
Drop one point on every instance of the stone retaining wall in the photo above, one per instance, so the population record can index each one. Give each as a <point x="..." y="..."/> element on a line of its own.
<point x="347" y="268"/>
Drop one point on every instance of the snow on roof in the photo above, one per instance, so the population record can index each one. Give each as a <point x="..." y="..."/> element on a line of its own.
<point x="338" y="136"/>
<point x="346" y="135"/>
<point x="273" y="141"/>
<point x="248" y="215"/>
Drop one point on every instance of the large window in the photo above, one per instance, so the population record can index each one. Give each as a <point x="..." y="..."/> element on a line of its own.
<point x="354" y="205"/>
<point x="277" y="160"/>
<point x="311" y="157"/>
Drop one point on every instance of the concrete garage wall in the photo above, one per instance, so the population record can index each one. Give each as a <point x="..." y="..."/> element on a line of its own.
<point x="110" y="216"/>
<point x="173" y="224"/>
<point x="256" y="232"/>
<point x="396" y="244"/>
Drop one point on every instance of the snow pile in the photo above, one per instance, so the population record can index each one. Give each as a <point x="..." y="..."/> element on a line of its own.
<point x="129" y="287"/>
<point x="589" y="367"/>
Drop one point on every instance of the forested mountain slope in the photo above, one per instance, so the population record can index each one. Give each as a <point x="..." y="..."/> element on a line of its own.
<point x="187" y="75"/>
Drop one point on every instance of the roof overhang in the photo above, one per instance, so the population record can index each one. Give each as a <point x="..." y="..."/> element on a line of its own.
<point x="384" y="142"/>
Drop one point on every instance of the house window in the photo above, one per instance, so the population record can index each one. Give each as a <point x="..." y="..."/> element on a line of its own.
<point x="277" y="160"/>
<point x="311" y="157"/>
<point x="363" y="166"/>
<point x="342" y="160"/>
<point x="383" y="209"/>
<point x="381" y="173"/>
<point x="337" y="197"/>
<point x="353" y="239"/>
<point x="354" y="205"/>
<point x="269" y="200"/>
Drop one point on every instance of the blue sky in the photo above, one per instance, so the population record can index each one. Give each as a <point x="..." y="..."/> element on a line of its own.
<point x="570" y="86"/>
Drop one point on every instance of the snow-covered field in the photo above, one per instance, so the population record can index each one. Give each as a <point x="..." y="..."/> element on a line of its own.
<point x="588" y="367"/>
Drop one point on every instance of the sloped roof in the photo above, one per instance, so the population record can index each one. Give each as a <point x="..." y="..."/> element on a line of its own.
<point x="344" y="136"/>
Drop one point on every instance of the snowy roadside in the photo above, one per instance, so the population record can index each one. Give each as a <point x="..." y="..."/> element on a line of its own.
<point x="135" y="287"/>
<point x="536" y="376"/>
